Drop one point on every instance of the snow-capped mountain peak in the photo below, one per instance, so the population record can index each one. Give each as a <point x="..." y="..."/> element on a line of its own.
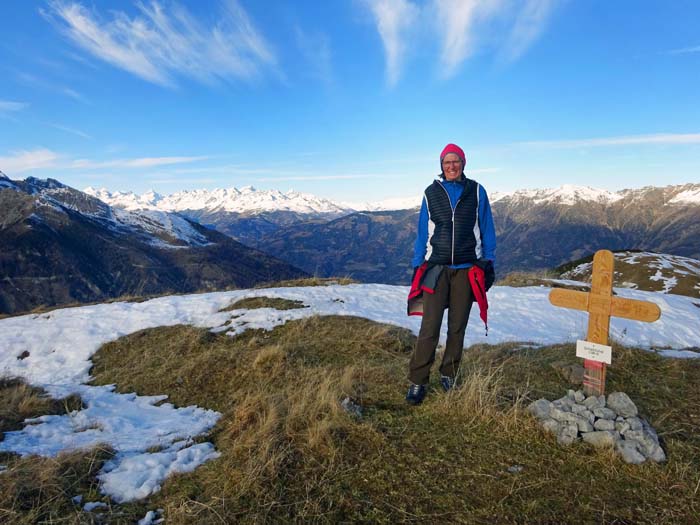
<point x="238" y="200"/>
<point x="567" y="194"/>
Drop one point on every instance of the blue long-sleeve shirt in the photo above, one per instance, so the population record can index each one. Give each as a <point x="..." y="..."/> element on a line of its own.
<point x="486" y="226"/>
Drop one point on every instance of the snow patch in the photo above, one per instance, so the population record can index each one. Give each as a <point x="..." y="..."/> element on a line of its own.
<point x="92" y="505"/>
<point x="138" y="476"/>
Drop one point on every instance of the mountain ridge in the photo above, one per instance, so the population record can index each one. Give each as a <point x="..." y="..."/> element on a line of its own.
<point x="251" y="200"/>
<point x="61" y="245"/>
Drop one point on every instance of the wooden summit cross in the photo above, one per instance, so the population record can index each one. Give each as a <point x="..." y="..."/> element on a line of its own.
<point x="601" y="305"/>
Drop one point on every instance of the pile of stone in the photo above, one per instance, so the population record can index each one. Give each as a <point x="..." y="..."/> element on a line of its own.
<point x="602" y="422"/>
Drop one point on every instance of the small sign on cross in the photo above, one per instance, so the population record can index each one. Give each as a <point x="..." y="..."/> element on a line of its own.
<point x="601" y="305"/>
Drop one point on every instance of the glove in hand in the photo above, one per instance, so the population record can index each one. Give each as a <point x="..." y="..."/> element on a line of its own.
<point x="489" y="272"/>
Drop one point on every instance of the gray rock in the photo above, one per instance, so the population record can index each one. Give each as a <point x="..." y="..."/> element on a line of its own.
<point x="567" y="434"/>
<point x="619" y="419"/>
<point x="515" y="469"/>
<point x="657" y="454"/>
<point x="588" y="415"/>
<point x="622" y="427"/>
<point x="601" y="438"/>
<point x="591" y="402"/>
<point x="570" y="418"/>
<point x="604" y="424"/>
<point x="578" y="409"/>
<point x="579" y="396"/>
<point x="562" y="416"/>
<point x="647" y="441"/>
<point x="551" y="425"/>
<point x="565" y="401"/>
<point x="540" y="408"/>
<point x="622" y="404"/>
<point x="571" y="394"/>
<point x="584" y="425"/>
<point x="605" y="413"/>
<point x="562" y="404"/>
<point x="635" y="423"/>
<point x="628" y="450"/>
<point x="351" y="407"/>
<point x="601" y="401"/>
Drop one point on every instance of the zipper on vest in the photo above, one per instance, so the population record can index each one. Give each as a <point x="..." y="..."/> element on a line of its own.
<point x="453" y="220"/>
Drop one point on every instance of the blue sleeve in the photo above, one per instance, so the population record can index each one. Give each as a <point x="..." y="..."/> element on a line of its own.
<point x="488" y="230"/>
<point x="420" y="248"/>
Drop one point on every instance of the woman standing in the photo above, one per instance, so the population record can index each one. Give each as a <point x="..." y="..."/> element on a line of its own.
<point x="455" y="232"/>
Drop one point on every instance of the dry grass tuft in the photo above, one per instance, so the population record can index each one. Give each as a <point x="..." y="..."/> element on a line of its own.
<point x="40" y="490"/>
<point x="20" y="401"/>
<point x="542" y="278"/>
<point x="310" y="281"/>
<point x="277" y="303"/>
<point x="481" y="396"/>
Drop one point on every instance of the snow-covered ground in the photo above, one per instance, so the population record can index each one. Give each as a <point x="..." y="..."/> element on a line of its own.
<point x="60" y="344"/>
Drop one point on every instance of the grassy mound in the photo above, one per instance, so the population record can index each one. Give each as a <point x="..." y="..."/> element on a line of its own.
<point x="277" y="303"/>
<point x="291" y="453"/>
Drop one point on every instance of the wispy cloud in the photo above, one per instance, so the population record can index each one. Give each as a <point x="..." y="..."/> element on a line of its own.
<point x="316" y="49"/>
<point x="393" y="19"/>
<point x="685" y="50"/>
<point x="72" y="93"/>
<point x="36" y="82"/>
<point x="529" y="24"/>
<point x="659" y="138"/>
<point x="512" y="26"/>
<point x="324" y="177"/>
<point x="145" y="162"/>
<point x="462" y="27"/>
<point x="456" y="23"/>
<point x="73" y="131"/>
<point x="158" y="43"/>
<point x="20" y="161"/>
<point x="7" y="106"/>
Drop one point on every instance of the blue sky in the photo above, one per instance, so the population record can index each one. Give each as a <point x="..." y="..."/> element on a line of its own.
<point x="350" y="99"/>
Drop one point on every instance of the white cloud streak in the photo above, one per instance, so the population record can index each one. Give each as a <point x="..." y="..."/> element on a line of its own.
<point x="160" y="44"/>
<point x="145" y="162"/>
<point x="72" y="131"/>
<point x="685" y="50"/>
<point x="659" y="138"/>
<point x="7" y="106"/>
<point x="466" y="25"/>
<point x="456" y="24"/>
<point x="393" y="18"/>
<point x="39" y="83"/>
<point x="325" y="177"/>
<point x="529" y="24"/>
<point x="20" y="161"/>
<point x="462" y="28"/>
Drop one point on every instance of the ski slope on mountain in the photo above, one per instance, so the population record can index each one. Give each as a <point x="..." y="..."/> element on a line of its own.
<point x="53" y="350"/>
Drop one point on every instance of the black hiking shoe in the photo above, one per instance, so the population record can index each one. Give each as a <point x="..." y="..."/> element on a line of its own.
<point x="447" y="382"/>
<point x="415" y="394"/>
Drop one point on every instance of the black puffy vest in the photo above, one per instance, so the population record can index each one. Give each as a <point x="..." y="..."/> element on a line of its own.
<point x="453" y="242"/>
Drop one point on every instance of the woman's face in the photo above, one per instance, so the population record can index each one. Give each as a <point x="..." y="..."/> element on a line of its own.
<point x="452" y="166"/>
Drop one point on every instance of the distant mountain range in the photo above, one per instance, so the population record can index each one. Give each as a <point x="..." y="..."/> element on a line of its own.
<point x="537" y="229"/>
<point x="60" y="245"/>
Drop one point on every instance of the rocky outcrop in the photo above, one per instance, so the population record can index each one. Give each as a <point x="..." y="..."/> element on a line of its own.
<point x="604" y="422"/>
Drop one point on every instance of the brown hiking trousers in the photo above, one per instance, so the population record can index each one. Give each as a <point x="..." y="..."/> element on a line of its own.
<point x="454" y="293"/>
